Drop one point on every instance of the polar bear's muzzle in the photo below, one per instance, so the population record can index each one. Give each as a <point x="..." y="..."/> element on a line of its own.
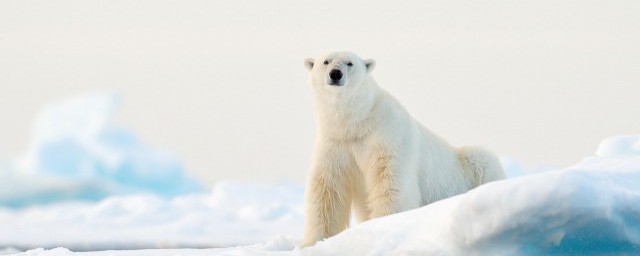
<point x="335" y="77"/>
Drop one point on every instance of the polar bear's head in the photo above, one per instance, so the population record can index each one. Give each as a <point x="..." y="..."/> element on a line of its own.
<point x="338" y="70"/>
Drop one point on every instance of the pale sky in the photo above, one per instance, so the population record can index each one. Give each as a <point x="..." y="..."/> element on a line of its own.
<point x="222" y="83"/>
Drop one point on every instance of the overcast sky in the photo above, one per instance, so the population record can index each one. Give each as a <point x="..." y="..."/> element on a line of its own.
<point x="222" y="83"/>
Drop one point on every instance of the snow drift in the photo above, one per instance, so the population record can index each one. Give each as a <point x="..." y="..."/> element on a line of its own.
<point x="592" y="208"/>
<point x="77" y="152"/>
<point x="233" y="213"/>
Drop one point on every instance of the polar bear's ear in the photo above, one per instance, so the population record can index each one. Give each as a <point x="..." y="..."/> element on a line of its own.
<point x="370" y="64"/>
<point x="308" y="63"/>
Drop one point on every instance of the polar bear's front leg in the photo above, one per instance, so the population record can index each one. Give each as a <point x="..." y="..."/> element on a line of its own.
<point x="328" y="196"/>
<point x="383" y="194"/>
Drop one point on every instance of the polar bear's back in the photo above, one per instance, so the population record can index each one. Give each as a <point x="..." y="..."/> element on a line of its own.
<point x="432" y="168"/>
<point x="441" y="172"/>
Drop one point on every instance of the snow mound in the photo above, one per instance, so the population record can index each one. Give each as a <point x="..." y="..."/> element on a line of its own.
<point x="514" y="168"/>
<point x="77" y="152"/>
<point x="624" y="145"/>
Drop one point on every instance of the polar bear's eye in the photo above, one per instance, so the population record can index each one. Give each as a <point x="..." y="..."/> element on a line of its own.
<point x="326" y="62"/>
<point x="349" y="64"/>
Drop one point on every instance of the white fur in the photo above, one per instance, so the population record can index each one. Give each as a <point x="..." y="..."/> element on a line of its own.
<point x="370" y="155"/>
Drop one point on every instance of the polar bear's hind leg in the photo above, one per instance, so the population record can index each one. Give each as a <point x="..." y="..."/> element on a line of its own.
<point x="480" y="164"/>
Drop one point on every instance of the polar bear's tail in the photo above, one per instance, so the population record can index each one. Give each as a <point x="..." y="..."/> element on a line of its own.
<point x="481" y="164"/>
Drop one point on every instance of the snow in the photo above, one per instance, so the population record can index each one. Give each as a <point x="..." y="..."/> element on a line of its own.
<point x="590" y="208"/>
<point x="513" y="168"/>
<point x="78" y="152"/>
<point x="277" y="246"/>
<point x="233" y="213"/>
<point x="622" y="145"/>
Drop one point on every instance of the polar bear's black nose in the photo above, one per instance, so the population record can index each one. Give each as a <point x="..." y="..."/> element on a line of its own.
<point x="335" y="74"/>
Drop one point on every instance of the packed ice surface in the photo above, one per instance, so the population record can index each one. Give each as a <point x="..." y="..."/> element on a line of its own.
<point x="233" y="213"/>
<point x="78" y="152"/>
<point x="591" y="208"/>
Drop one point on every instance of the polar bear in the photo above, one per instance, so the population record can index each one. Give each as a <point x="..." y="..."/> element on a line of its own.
<point x="372" y="156"/>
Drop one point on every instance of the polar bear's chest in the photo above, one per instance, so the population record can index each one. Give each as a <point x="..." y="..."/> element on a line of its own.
<point x="347" y="129"/>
